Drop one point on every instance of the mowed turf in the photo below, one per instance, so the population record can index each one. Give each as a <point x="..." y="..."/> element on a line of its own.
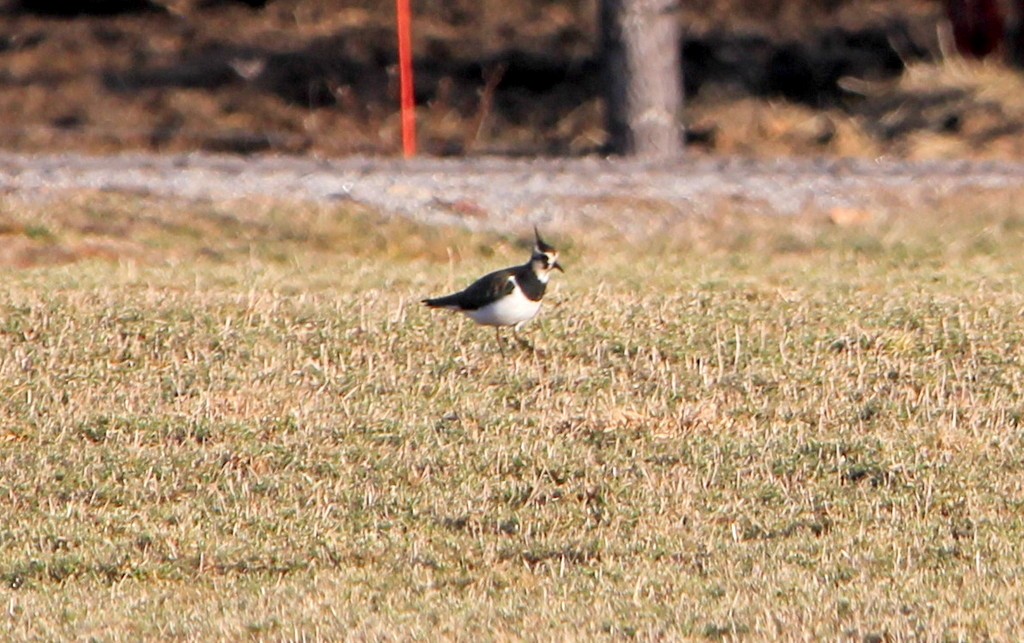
<point x="234" y="421"/>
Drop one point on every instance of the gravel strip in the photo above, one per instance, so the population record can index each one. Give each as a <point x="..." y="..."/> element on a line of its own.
<point x="497" y="192"/>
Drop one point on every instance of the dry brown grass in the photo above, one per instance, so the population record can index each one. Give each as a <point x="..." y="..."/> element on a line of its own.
<point x="155" y="81"/>
<point x="764" y="429"/>
<point x="950" y="109"/>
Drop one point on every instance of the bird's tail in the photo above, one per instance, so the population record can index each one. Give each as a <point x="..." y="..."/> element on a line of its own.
<point x="442" y="302"/>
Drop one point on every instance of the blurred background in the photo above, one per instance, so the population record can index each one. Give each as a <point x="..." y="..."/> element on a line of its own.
<point x="911" y="79"/>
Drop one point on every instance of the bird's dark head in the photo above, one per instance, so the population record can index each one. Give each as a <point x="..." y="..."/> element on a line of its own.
<point x="544" y="258"/>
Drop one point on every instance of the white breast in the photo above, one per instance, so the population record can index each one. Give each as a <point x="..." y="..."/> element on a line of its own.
<point x="513" y="309"/>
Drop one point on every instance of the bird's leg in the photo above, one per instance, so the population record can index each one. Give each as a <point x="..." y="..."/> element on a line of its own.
<point x="525" y="343"/>
<point x="497" y="336"/>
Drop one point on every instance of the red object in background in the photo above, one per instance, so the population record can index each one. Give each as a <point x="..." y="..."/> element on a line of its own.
<point x="1015" y="35"/>
<point x="405" y="78"/>
<point x="978" y="26"/>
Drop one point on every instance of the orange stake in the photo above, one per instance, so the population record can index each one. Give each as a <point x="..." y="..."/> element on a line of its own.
<point x="405" y="77"/>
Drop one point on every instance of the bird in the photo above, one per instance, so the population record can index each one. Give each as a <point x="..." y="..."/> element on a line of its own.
<point x="509" y="297"/>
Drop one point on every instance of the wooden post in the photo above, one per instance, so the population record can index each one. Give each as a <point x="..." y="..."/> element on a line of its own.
<point x="640" y="42"/>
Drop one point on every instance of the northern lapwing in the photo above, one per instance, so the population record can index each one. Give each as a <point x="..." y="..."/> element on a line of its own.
<point x="509" y="297"/>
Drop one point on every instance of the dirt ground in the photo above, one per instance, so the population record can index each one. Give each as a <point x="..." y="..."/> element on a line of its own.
<point x="836" y="78"/>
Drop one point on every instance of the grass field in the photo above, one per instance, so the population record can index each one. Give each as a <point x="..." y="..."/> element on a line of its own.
<point x="234" y="421"/>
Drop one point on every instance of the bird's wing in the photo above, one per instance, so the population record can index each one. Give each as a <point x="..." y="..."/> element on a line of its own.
<point x="479" y="293"/>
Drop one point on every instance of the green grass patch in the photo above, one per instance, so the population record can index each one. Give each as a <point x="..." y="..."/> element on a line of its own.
<point x="242" y="424"/>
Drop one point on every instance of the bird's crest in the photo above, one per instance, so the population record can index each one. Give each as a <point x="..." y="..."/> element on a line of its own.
<point x="541" y="247"/>
<point x="544" y="258"/>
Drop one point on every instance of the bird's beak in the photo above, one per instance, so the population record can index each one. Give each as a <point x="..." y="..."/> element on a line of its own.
<point x="557" y="266"/>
